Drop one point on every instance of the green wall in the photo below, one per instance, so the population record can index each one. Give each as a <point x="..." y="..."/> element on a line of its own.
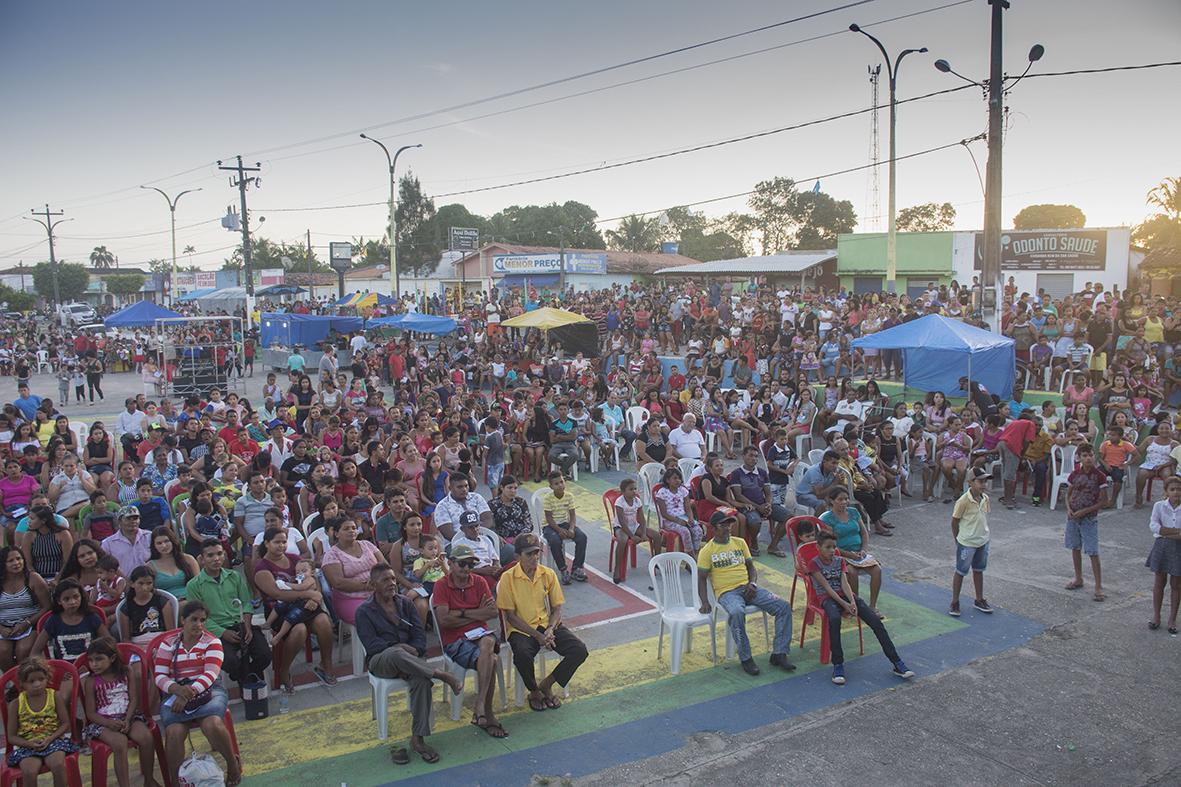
<point x="926" y="254"/>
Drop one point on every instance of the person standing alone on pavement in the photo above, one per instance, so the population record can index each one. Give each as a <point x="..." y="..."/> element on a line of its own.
<point x="969" y="526"/>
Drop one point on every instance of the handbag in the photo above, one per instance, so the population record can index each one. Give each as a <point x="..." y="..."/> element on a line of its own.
<point x="198" y="699"/>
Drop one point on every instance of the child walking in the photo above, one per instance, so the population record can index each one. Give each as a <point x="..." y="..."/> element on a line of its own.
<point x="969" y="526"/>
<point x="114" y="709"/>
<point x="1086" y="494"/>
<point x="38" y="725"/>
<point x="1165" y="557"/>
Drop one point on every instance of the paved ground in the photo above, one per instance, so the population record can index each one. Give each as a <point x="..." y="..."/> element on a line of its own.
<point x="1053" y="689"/>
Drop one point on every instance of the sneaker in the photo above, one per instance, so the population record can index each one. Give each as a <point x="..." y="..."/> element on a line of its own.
<point x="983" y="606"/>
<point x="566" y="578"/>
<point x="954" y="609"/>
<point x="580" y="575"/>
<point x="1037" y="501"/>
<point x="838" y="674"/>
<point x="749" y="667"/>
<point x="901" y="670"/>
<point x="780" y="660"/>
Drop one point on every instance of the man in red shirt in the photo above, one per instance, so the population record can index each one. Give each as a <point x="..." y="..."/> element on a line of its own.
<point x="676" y="381"/>
<point x="463" y="606"/>
<point x="1015" y="437"/>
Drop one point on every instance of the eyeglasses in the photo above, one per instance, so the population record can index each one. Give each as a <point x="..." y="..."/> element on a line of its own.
<point x="466" y="563"/>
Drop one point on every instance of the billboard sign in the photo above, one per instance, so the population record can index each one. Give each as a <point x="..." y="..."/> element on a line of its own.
<point x="524" y="264"/>
<point x="464" y="239"/>
<point x="340" y="255"/>
<point x="268" y="276"/>
<point x="195" y="280"/>
<point x="1049" y="250"/>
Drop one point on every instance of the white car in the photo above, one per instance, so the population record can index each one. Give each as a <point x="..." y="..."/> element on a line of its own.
<point x="75" y="314"/>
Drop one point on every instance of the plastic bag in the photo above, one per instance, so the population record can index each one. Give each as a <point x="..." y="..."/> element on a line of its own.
<point x="200" y="770"/>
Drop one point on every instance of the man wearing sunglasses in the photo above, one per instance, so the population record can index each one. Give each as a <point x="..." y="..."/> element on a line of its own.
<point x="531" y="598"/>
<point x="464" y="610"/>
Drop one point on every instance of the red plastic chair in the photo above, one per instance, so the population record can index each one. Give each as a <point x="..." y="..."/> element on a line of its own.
<point x="60" y="670"/>
<point x="609" y="498"/>
<point x="793" y="543"/>
<point x="815" y="612"/>
<point x="671" y="540"/>
<point x="153" y="646"/>
<point x="101" y="752"/>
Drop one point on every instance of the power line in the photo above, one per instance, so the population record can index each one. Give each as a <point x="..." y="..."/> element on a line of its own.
<point x="572" y="77"/>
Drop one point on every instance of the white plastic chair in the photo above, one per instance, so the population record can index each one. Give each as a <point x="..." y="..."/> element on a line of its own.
<point x="461" y="672"/>
<point x="43" y="363"/>
<point x="173" y="604"/>
<point x="802" y="437"/>
<point x="636" y="417"/>
<point x="649" y="476"/>
<point x="932" y="441"/>
<point x="81" y="432"/>
<point x="379" y="695"/>
<point x="688" y="467"/>
<point x="537" y="509"/>
<point x="797" y="480"/>
<point x="815" y="456"/>
<point x="719" y="614"/>
<point x="680" y="610"/>
<point x="1062" y="464"/>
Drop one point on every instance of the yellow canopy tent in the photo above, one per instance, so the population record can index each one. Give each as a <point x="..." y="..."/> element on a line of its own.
<point x="571" y="331"/>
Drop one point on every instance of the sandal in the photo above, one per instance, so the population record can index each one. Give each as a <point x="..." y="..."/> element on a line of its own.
<point x="1074" y="584"/>
<point x="400" y="756"/>
<point x="538" y="704"/>
<point x="491" y="729"/>
<point x="1153" y="626"/>
<point x="1099" y="597"/>
<point x="429" y="755"/>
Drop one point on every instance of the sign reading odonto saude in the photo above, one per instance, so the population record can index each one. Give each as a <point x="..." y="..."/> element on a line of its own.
<point x="1050" y="250"/>
<point x="578" y="262"/>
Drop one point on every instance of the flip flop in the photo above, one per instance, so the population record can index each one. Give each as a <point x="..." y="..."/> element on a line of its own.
<point x="1153" y="626"/>
<point x="538" y="704"/>
<point x="1075" y="585"/>
<point x="326" y="677"/>
<point x="428" y="755"/>
<point x="492" y="729"/>
<point x="1099" y="597"/>
<point x="400" y="756"/>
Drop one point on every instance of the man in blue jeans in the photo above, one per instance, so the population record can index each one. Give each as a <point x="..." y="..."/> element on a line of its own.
<point x="727" y="562"/>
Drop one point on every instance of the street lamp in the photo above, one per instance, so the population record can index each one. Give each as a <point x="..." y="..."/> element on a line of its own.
<point x="892" y="231"/>
<point x="991" y="274"/>
<point x="172" y="213"/>
<point x="393" y="224"/>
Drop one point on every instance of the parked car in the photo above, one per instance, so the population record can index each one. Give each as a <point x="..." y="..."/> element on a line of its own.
<point x="75" y="314"/>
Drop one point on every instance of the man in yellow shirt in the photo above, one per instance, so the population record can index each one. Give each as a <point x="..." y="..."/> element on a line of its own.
<point x="727" y="562"/>
<point x="531" y="598"/>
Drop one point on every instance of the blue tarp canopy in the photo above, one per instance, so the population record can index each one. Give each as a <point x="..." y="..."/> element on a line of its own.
<point x="281" y="289"/>
<point x="306" y="329"/>
<point x="938" y="351"/>
<point x="195" y="294"/>
<point x="141" y="313"/>
<point x="413" y="321"/>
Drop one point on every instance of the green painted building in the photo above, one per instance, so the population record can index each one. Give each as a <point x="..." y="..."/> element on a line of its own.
<point x="922" y="257"/>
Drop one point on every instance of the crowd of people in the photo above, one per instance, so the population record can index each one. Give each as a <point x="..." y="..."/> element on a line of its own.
<point x="348" y="494"/>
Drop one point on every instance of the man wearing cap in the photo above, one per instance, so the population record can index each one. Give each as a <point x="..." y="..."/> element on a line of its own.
<point x="129" y="545"/>
<point x="463" y="608"/>
<point x="458" y="500"/>
<point x="726" y="562"/>
<point x="479" y="545"/>
<point x="278" y="446"/>
<point x="531" y="598"/>
<point x="394" y="639"/>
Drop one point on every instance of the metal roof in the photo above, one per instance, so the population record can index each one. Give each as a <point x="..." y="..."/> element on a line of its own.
<point x="787" y="262"/>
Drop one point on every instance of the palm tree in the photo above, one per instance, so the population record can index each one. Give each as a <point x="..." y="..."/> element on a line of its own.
<point x="190" y="251"/>
<point x="635" y="233"/>
<point x="1167" y="197"/>
<point x="102" y="258"/>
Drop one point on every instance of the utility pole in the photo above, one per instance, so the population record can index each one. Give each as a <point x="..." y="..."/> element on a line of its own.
<point x="172" y="213"/>
<point x="241" y="183"/>
<point x="309" y="260"/>
<point x="561" y="265"/>
<point x="990" y="273"/>
<point x="49" y="224"/>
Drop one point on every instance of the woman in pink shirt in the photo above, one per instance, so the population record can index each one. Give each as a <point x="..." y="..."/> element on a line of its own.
<point x="346" y="567"/>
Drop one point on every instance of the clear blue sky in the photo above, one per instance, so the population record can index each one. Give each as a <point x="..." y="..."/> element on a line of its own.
<point x="99" y="98"/>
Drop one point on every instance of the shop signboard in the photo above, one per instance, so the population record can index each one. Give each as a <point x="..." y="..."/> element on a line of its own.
<point x="1049" y="250"/>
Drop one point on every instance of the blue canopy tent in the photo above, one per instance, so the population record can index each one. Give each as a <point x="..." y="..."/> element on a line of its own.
<point x="195" y="294"/>
<point x="413" y="321"/>
<point x="938" y="351"/>
<point x="303" y="329"/>
<point x="139" y="314"/>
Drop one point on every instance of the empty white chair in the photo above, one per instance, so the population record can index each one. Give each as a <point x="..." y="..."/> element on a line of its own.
<point x="537" y="509"/>
<point x="1062" y="464"/>
<point x="688" y="467"/>
<point x="815" y="455"/>
<point x="379" y="695"/>
<point x="81" y="431"/>
<point x="680" y="609"/>
<point x="650" y="475"/>
<point x="797" y="480"/>
<point x="721" y="616"/>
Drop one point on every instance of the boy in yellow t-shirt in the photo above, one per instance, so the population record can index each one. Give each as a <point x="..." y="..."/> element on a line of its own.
<point x="727" y="563"/>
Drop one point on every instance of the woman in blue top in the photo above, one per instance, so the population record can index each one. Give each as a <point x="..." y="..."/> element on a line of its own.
<point x="848" y="525"/>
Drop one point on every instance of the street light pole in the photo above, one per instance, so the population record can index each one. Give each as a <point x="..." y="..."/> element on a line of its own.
<point x="49" y="224"/>
<point x="892" y="229"/>
<point x="392" y="227"/>
<point x="172" y="213"/>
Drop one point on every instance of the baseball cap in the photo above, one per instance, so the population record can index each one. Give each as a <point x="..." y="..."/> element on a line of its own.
<point x="462" y="552"/>
<point x="128" y="511"/>
<point x="723" y="515"/>
<point x="525" y="542"/>
<point x="979" y="473"/>
<point x="469" y="519"/>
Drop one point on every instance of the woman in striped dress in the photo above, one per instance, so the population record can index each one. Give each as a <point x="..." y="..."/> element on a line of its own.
<point x="23" y="597"/>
